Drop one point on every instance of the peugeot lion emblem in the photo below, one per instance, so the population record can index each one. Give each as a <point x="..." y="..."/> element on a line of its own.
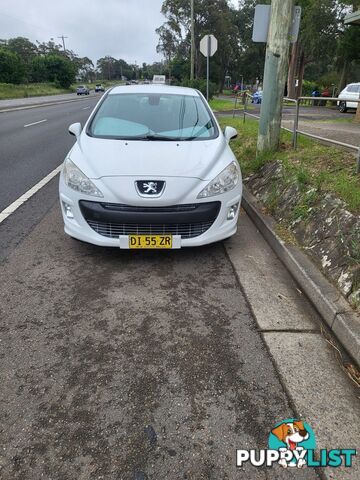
<point x="150" y="188"/>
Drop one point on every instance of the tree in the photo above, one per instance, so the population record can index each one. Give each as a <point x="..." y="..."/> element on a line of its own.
<point x="106" y="67"/>
<point x="38" y="71"/>
<point x="347" y="52"/>
<point x="249" y="56"/>
<point x="50" y="47"/>
<point x="25" y="50"/>
<point x="60" y="70"/>
<point x="12" y="68"/>
<point x="167" y="45"/>
<point x="348" y="47"/>
<point x="210" y="16"/>
<point x="319" y="32"/>
<point x="22" y="46"/>
<point x="85" y="68"/>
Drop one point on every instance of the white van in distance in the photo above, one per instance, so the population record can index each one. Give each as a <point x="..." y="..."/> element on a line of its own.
<point x="159" y="79"/>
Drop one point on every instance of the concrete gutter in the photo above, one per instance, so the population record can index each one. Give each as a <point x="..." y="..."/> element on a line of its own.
<point x="331" y="305"/>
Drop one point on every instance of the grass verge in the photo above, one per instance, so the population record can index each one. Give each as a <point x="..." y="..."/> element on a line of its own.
<point x="312" y="165"/>
<point x="221" y="105"/>
<point x="9" y="91"/>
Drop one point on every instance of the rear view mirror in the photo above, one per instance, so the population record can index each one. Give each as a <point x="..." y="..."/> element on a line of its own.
<point x="75" y="129"/>
<point x="230" y="133"/>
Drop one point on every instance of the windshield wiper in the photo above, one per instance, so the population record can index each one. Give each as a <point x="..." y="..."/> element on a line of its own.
<point x="154" y="137"/>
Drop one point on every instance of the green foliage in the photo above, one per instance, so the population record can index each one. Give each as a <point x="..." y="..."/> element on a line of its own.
<point x="250" y="56"/>
<point x="10" y="90"/>
<point x="221" y="105"/>
<point x="303" y="178"/>
<point x="60" y="70"/>
<point x="210" y="16"/>
<point x="38" y="69"/>
<point x="200" y="84"/>
<point x="25" y="49"/>
<point x="305" y="204"/>
<point x="315" y="168"/>
<point x="273" y="199"/>
<point x="12" y="69"/>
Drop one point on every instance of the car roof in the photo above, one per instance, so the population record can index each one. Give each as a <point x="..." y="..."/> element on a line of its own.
<point x="154" y="88"/>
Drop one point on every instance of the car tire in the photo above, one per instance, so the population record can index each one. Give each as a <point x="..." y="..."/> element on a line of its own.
<point x="342" y="107"/>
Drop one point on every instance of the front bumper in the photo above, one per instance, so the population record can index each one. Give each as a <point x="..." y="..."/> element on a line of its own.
<point x="108" y="224"/>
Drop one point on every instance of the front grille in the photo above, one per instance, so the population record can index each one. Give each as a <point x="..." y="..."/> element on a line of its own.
<point x="112" y="220"/>
<point x="114" y="230"/>
<point x="118" y="207"/>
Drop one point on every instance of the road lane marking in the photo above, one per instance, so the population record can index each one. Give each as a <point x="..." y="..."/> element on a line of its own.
<point x="18" y="202"/>
<point x="85" y="108"/>
<point x="35" y="123"/>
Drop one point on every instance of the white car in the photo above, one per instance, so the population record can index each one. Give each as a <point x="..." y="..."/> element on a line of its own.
<point x="151" y="169"/>
<point x="350" y="92"/>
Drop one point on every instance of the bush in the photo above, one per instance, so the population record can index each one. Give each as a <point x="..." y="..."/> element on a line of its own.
<point x="200" y="84"/>
<point x="60" y="70"/>
<point x="12" y="68"/>
<point x="38" y="69"/>
<point x="308" y="88"/>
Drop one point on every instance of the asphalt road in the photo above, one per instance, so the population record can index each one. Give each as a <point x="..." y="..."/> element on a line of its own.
<point x="30" y="150"/>
<point x="120" y="365"/>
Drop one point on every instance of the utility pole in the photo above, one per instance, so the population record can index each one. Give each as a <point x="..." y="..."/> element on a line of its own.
<point x="63" y="41"/>
<point x="275" y="73"/>
<point x="192" y="54"/>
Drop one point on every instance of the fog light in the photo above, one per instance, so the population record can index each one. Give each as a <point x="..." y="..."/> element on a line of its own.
<point x="232" y="211"/>
<point x="67" y="210"/>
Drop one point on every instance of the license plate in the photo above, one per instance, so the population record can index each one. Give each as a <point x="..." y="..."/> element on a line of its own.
<point x="150" y="241"/>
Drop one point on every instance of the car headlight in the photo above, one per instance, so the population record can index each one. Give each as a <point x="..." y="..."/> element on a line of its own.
<point x="77" y="180"/>
<point x="225" y="181"/>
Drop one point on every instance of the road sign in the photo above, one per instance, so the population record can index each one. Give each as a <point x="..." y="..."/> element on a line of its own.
<point x="208" y="45"/>
<point x="262" y="22"/>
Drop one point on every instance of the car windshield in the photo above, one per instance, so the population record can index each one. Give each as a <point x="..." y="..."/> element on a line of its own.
<point x="153" y="116"/>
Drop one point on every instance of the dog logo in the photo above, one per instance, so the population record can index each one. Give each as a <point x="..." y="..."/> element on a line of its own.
<point x="147" y="188"/>
<point x="292" y="438"/>
<point x="292" y="444"/>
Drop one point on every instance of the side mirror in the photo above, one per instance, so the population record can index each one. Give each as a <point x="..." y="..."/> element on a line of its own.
<point x="75" y="129"/>
<point x="230" y="133"/>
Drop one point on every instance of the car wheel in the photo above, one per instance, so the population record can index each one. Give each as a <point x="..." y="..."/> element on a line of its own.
<point x="342" y="107"/>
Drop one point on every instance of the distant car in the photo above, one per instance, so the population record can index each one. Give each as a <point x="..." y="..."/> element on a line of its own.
<point x="350" y="92"/>
<point x="99" y="88"/>
<point x="82" y="90"/>
<point x="134" y="82"/>
<point x="151" y="168"/>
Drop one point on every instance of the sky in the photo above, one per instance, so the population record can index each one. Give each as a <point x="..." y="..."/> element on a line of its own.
<point x="95" y="28"/>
